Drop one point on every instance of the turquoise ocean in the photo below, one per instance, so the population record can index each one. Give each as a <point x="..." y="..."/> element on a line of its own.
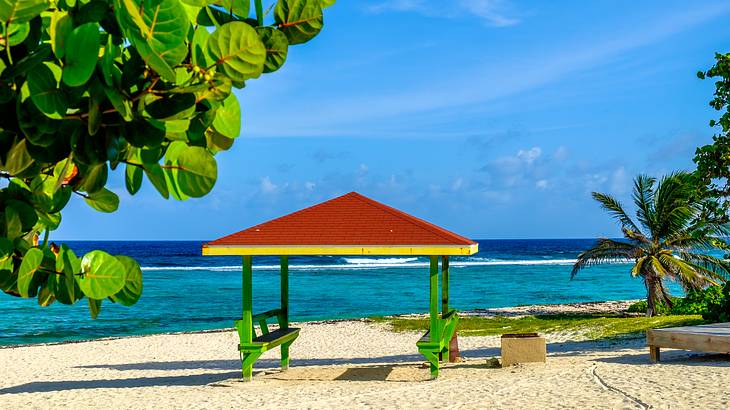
<point x="184" y="291"/>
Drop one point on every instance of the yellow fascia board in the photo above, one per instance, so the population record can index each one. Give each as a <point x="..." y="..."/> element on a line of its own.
<point x="422" y="250"/>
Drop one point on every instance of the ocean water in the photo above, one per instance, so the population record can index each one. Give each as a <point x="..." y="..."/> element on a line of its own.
<point x="184" y="291"/>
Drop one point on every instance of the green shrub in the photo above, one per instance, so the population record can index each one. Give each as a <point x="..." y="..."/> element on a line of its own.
<point x="713" y="303"/>
<point x="718" y="308"/>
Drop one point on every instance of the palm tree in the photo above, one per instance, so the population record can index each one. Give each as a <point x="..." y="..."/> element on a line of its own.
<point x="668" y="242"/>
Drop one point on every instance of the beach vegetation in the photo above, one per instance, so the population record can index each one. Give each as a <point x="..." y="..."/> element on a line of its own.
<point x="668" y="240"/>
<point x="143" y="87"/>
<point x="713" y="160"/>
<point x="583" y="326"/>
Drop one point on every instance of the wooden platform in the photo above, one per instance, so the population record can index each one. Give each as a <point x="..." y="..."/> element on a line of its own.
<point x="713" y="338"/>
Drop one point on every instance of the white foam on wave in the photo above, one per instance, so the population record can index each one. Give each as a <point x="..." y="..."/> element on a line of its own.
<point x="374" y="264"/>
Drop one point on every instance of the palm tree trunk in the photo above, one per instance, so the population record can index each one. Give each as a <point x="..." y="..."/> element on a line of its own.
<point x="650" y="283"/>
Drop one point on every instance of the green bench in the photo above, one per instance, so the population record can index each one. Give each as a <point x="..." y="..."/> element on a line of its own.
<point x="266" y="340"/>
<point x="434" y="344"/>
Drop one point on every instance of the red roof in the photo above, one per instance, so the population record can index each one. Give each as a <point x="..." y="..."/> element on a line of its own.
<point x="351" y="219"/>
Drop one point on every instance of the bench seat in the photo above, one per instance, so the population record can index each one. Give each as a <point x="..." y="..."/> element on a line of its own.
<point x="270" y="340"/>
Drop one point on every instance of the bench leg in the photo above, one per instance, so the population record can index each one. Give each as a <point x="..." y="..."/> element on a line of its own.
<point x="654" y="353"/>
<point x="248" y="359"/>
<point x="433" y="361"/>
<point x="285" y="355"/>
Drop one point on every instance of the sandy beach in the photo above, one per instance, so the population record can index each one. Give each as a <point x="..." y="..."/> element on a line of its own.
<point x="353" y="364"/>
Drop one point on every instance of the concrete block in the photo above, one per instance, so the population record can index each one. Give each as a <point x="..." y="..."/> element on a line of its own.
<point x="523" y="348"/>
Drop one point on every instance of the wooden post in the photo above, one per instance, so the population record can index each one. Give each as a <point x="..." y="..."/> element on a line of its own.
<point x="285" y="309"/>
<point x="444" y="299"/>
<point x="247" y="325"/>
<point x="654" y="353"/>
<point x="434" y="309"/>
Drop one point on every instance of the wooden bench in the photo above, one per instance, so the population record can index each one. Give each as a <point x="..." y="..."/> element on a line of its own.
<point x="713" y="338"/>
<point x="266" y="340"/>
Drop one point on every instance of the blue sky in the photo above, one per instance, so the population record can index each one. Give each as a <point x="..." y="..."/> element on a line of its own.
<point x="495" y="119"/>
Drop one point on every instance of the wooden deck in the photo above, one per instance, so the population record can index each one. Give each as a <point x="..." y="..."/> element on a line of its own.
<point x="713" y="338"/>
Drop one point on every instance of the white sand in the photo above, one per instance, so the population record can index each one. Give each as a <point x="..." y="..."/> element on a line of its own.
<point x="352" y="365"/>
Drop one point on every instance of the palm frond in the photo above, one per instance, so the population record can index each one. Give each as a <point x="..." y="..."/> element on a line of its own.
<point x="605" y="251"/>
<point x="643" y="196"/>
<point x="616" y="210"/>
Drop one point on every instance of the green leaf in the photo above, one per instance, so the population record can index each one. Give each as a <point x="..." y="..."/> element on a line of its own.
<point x="158" y="31"/>
<point x="17" y="33"/>
<point x="45" y="295"/>
<point x="28" y="267"/>
<point x="199" y="50"/>
<point x="6" y="248"/>
<point x="20" y="11"/>
<point x="61" y="26"/>
<point x="94" y="307"/>
<point x="171" y="173"/>
<point x="237" y="50"/>
<point x="299" y="20"/>
<point x="26" y="213"/>
<point x="240" y="8"/>
<point x="18" y="159"/>
<point x="198" y="171"/>
<point x="43" y="84"/>
<point x="228" y="117"/>
<point x="133" y="178"/>
<point x="13" y="225"/>
<point x="173" y="106"/>
<point x="157" y="177"/>
<point x="82" y="52"/>
<point x="120" y="103"/>
<point x="103" y="201"/>
<point x="8" y="280"/>
<point x="277" y="47"/>
<point x="50" y="221"/>
<point x="102" y="275"/>
<point x="65" y="288"/>
<point x="327" y="3"/>
<point x="94" y="178"/>
<point x="132" y="290"/>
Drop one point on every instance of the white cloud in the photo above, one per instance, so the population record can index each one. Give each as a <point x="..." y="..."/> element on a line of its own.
<point x="495" y="13"/>
<point x="268" y="187"/>
<point x="542" y="184"/>
<point x="529" y="156"/>
<point x="561" y="153"/>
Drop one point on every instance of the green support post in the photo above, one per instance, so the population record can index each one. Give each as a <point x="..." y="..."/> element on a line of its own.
<point x="247" y="323"/>
<point x="434" y="310"/>
<point x="445" y="298"/>
<point x="285" y="309"/>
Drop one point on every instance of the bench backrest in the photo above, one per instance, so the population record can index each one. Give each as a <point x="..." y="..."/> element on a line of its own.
<point x="262" y="319"/>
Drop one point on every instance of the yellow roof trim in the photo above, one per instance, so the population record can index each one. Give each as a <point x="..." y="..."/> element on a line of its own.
<point x="423" y="250"/>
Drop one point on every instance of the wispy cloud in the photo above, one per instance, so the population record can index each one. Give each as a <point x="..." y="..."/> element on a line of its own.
<point x="497" y="13"/>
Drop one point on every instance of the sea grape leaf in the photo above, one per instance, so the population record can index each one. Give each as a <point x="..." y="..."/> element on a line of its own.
<point x="156" y="176"/>
<point x="198" y="47"/>
<point x="132" y="290"/>
<point x="94" y="307"/>
<point x="18" y="159"/>
<point x="299" y="20"/>
<point x="94" y="178"/>
<point x="28" y="267"/>
<point x="43" y="84"/>
<point x="237" y="50"/>
<point x="240" y="8"/>
<point x="20" y="11"/>
<point x="171" y="172"/>
<point x="102" y="275"/>
<point x="103" y="200"/>
<point x="66" y="288"/>
<point x="45" y="295"/>
<point x="26" y="213"/>
<point x="61" y="26"/>
<point x="158" y="31"/>
<point x="133" y="178"/>
<point x="277" y="47"/>
<point x="17" y="33"/>
<point x="174" y="106"/>
<point x="81" y="54"/>
<point x="8" y="280"/>
<point x="228" y="117"/>
<point x="6" y="248"/>
<point x="327" y="3"/>
<point x="198" y="171"/>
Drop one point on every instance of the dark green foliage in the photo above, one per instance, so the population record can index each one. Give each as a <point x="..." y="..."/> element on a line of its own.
<point x="697" y="302"/>
<point x="713" y="160"/>
<point x="89" y="87"/>
<point x="718" y="308"/>
<point x="667" y="240"/>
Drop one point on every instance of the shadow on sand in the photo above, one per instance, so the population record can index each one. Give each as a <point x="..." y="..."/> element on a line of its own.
<point x="381" y="368"/>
